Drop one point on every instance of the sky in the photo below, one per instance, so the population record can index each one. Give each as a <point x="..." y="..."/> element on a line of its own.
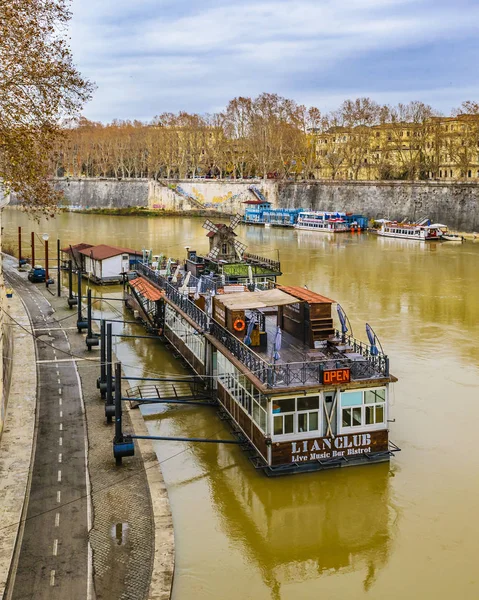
<point x="147" y="57"/>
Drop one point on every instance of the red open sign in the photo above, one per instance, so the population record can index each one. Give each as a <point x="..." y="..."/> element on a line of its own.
<point x="336" y="376"/>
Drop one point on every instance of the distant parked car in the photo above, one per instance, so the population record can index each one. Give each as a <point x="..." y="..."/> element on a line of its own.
<point x="37" y="274"/>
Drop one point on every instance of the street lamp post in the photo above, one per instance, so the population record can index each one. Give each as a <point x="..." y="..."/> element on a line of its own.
<point x="45" y="237"/>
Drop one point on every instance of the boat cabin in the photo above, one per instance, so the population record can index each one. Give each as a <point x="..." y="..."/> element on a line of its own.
<point x="105" y="264"/>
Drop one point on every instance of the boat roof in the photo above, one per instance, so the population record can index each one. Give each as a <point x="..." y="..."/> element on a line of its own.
<point x="146" y="289"/>
<point x="102" y="251"/>
<point x="306" y="295"/>
<point x="265" y="299"/>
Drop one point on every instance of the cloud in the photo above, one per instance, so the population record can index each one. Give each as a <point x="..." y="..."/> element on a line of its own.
<point x="154" y="56"/>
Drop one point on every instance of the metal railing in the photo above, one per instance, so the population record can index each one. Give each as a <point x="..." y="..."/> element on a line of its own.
<point x="379" y="361"/>
<point x="276" y="375"/>
<point x="261" y="260"/>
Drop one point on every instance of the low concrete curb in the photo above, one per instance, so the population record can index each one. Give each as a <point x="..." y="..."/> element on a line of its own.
<point x="164" y="559"/>
<point x="17" y="441"/>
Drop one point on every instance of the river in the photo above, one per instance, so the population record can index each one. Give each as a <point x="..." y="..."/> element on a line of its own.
<point x="404" y="530"/>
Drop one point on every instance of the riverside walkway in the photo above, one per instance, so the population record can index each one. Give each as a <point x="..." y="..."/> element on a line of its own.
<point x="92" y="530"/>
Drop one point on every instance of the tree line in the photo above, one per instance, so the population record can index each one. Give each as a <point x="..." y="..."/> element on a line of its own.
<point x="269" y="136"/>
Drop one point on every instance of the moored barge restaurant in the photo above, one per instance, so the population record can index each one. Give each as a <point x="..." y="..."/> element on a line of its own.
<point x="300" y="394"/>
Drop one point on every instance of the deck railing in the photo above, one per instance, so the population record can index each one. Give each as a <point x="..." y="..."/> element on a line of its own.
<point x="280" y="374"/>
<point x="274" y="265"/>
<point x="379" y="361"/>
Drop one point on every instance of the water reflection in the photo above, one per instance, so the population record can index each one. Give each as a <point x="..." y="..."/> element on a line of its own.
<point x="290" y="530"/>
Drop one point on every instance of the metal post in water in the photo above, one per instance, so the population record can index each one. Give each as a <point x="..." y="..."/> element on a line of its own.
<point x="81" y="324"/>
<point x="79" y="293"/>
<point x="109" y="374"/>
<point x="19" y="246"/>
<point x="91" y="339"/>
<point x="71" y="300"/>
<point x="59" y="289"/>
<point x="102" y="381"/>
<point x="70" y="280"/>
<point x="118" y="423"/>
<point x="33" y="249"/>
<point x="89" y="330"/>
<point x="47" y="274"/>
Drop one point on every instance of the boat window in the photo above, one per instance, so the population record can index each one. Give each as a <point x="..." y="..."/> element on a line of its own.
<point x="363" y="409"/>
<point x="308" y="403"/>
<point x="351" y="398"/>
<point x="374" y="396"/>
<point x="283" y="424"/>
<point x="287" y="405"/>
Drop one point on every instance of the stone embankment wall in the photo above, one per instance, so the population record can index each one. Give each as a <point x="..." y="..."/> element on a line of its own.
<point x="455" y="204"/>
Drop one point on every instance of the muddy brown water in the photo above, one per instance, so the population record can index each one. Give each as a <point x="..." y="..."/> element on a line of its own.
<point x="404" y="530"/>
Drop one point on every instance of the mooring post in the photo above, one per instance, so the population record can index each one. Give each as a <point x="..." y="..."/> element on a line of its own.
<point x="123" y="445"/>
<point x="79" y="294"/>
<point x="59" y="287"/>
<point x="33" y="249"/>
<point x="71" y="300"/>
<point x="19" y="246"/>
<point x="102" y="380"/>
<point x="118" y="424"/>
<point x="81" y="324"/>
<point x="91" y="339"/>
<point x="109" y="407"/>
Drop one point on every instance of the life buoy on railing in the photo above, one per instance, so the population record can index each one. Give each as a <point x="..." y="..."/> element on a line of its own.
<point x="239" y="325"/>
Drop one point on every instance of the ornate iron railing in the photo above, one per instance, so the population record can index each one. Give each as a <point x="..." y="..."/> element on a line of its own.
<point x="275" y="375"/>
<point x="274" y="265"/>
<point x="379" y="361"/>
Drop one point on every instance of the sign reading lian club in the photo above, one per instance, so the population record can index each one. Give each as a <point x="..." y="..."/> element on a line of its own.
<point x="349" y="446"/>
<point x="336" y="376"/>
<point x="322" y="448"/>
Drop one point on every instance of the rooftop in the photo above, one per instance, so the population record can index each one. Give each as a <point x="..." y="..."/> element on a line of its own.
<point x="102" y="251"/>
<point x="76" y="248"/>
<point x="306" y="295"/>
<point x="146" y="289"/>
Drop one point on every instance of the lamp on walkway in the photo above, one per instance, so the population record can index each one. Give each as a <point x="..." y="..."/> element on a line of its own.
<point x="45" y="237"/>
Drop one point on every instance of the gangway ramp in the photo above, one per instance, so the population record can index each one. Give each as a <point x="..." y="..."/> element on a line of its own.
<point x="170" y="391"/>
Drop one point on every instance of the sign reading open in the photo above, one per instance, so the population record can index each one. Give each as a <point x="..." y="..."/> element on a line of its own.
<point x="336" y="376"/>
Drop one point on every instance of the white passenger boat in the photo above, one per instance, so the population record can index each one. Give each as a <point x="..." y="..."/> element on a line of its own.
<point x="414" y="231"/>
<point x="322" y="221"/>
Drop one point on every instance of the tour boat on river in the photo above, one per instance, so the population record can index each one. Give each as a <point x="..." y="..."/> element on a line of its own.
<point x="299" y="394"/>
<point x="421" y="232"/>
<point x="322" y="221"/>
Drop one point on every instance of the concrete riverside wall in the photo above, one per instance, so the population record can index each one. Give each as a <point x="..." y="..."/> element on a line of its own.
<point x="455" y="204"/>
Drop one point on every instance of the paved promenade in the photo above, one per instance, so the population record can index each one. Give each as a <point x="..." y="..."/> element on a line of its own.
<point x="124" y="535"/>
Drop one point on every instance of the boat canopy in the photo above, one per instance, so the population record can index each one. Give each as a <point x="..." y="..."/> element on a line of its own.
<point x="250" y="300"/>
<point x="437" y="225"/>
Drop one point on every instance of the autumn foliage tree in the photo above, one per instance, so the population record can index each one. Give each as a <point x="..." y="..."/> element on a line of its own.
<point x="39" y="87"/>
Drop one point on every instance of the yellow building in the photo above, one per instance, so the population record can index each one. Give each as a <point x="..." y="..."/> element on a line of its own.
<point x="442" y="148"/>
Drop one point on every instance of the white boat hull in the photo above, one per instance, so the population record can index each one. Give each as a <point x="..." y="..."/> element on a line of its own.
<point x="321" y="229"/>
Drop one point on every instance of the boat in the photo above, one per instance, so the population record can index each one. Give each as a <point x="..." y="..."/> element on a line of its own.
<point x="300" y="394"/>
<point x="322" y="221"/>
<point x="447" y="236"/>
<point x="452" y="237"/>
<point x="420" y="232"/>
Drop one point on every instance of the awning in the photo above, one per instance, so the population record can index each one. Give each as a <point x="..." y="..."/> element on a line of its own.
<point x="146" y="289"/>
<point x="250" y="300"/>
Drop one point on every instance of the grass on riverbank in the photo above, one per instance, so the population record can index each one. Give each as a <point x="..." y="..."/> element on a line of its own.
<point x="138" y="211"/>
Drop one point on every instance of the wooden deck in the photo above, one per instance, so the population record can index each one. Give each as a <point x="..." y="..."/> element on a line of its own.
<point x="292" y="349"/>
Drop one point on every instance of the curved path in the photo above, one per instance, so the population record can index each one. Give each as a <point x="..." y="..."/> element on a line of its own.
<point x="53" y="560"/>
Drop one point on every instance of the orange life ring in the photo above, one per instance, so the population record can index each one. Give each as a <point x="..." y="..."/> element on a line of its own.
<point x="239" y="325"/>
